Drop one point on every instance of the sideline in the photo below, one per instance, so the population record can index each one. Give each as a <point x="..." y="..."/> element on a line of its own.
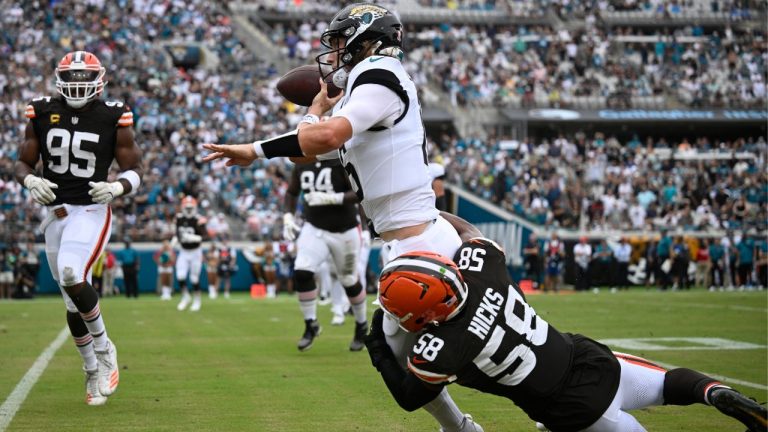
<point x="19" y="394"/>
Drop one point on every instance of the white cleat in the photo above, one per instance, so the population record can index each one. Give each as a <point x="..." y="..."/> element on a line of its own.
<point x="468" y="425"/>
<point x="185" y="300"/>
<point x="93" y="396"/>
<point x="109" y="374"/>
<point x="195" y="305"/>
<point x="337" y="320"/>
<point x="541" y="427"/>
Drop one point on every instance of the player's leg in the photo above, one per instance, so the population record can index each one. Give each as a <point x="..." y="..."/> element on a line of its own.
<point x="324" y="281"/>
<point x="442" y="238"/>
<point x="345" y="249"/>
<point x="83" y="239"/>
<point x="80" y="334"/>
<point x="339" y="302"/>
<point x="213" y="282"/>
<point x="183" y="265"/>
<point x="312" y="251"/>
<point x="195" y="268"/>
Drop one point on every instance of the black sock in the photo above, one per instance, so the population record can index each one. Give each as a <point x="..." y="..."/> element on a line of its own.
<point x="685" y="387"/>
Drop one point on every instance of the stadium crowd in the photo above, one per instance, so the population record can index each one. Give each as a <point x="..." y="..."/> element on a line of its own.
<point x="600" y="183"/>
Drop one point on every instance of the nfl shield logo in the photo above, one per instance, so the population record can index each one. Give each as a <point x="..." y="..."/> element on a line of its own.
<point x="75" y="120"/>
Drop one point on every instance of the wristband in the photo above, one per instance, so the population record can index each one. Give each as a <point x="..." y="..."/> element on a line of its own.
<point x="310" y="118"/>
<point x="133" y="178"/>
<point x="285" y="145"/>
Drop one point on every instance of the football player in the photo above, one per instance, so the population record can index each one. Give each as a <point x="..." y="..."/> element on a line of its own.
<point x="331" y="230"/>
<point x="376" y="130"/>
<point x="78" y="135"/>
<point x="190" y="233"/>
<point x="475" y="328"/>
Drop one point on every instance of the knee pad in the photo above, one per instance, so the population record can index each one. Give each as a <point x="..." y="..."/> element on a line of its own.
<point x="349" y="280"/>
<point x="353" y="290"/>
<point x="304" y="280"/>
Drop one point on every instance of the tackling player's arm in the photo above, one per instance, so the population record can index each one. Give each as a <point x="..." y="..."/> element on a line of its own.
<point x="24" y="169"/>
<point x="128" y="157"/>
<point x="465" y="229"/>
<point x="410" y="392"/>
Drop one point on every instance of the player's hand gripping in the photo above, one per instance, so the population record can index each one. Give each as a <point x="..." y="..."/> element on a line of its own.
<point x="238" y="154"/>
<point x="290" y="227"/>
<point x="322" y="103"/>
<point x="41" y="189"/>
<point x="324" y="198"/>
<point x="376" y="342"/>
<point x="105" y="192"/>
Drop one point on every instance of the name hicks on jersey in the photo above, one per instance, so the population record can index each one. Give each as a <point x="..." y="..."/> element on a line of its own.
<point x="486" y="313"/>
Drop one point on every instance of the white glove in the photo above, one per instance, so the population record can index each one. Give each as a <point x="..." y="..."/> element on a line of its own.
<point x="290" y="228"/>
<point x="40" y="188"/>
<point x="103" y="192"/>
<point x="191" y="238"/>
<point x="324" y="198"/>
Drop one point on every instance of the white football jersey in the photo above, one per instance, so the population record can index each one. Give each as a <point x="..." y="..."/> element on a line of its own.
<point x="388" y="167"/>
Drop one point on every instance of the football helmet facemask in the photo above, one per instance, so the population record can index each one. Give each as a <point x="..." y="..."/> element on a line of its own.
<point x="80" y="78"/>
<point x="419" y="288"/>
<point x="351" y="33"/>
<point x="189" y="206"/>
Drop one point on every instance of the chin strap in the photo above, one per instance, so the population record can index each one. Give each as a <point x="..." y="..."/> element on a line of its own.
<point x="393" y="52"/>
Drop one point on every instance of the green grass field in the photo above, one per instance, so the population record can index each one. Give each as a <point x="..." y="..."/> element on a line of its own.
<point x="234" y="366"/>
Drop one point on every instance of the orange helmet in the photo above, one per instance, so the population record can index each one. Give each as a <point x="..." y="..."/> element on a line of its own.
<point x="79" y="78"/>
<point x="189" y="206"/>
<point x="419" y="288"/>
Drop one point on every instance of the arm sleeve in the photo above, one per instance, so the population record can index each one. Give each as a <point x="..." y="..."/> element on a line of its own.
<point x="364" y="115"/>
<point x="409" y="391"/>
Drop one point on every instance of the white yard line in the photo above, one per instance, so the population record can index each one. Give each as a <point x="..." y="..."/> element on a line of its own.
<point x="13" y="403"/>
<point x="722" y="378"/>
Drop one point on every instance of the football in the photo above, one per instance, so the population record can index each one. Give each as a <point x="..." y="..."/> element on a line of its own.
<point x="301" y="84"/>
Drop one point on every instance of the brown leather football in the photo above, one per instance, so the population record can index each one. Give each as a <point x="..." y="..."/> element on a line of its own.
<point x="300" y="85"/>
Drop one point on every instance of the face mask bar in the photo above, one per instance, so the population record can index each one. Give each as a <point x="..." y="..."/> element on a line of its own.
<point x="78" y="93"/>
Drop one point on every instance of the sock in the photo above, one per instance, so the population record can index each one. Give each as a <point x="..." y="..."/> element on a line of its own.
<point x="87" y="302"/>
<point x="445" y="411"/>
<point x="271" y="290"/>
<point x="166" y="291"/>
<point x="685" y="387"/>
<point x="83" y="340"/>
<point x="308" y="308"/>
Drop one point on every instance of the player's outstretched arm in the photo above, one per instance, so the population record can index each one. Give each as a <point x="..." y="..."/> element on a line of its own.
<point x="310" y="139"/>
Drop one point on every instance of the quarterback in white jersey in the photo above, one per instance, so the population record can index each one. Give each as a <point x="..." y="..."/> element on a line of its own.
<point x="377" y="132"/>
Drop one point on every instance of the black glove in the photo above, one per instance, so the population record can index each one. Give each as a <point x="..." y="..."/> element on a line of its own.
<point x="376" y="342"/>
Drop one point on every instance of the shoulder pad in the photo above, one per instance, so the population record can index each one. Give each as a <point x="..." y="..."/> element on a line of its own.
<point x="36" y="106"/>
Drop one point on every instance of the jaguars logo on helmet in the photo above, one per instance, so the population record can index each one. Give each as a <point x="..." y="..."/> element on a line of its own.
<point x="353" y="32"/>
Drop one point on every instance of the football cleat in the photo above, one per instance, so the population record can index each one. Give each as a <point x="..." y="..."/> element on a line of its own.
<point x="736" y="405"/>
<point x="93" y="396"/>
<point x="311" y="331"/>
<point x="337" y="320"/>
<point x="195" y="303"/>
<point x="109" y="374"/>
<point x="185" y="300"/>
<point x="358" y="342"/>
<point x="468" y="425"/>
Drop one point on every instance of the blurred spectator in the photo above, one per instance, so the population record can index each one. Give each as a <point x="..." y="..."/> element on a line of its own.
<point x="211" y="269"/>
<point x="602" y="259"/>
<point x="745" y="249"/>
<point x="110" y="273"/>
<point x="7" y="265"/>
<point x="227" y="265"/>
<point x="717" y="265"/>
<point x="582" y="255"/>
<point x="129" y="260"/>
<point x="554" y="254"/>
<point x="622" y="253"/>
<point x="703" y="265"/>
<point x="681" y="258"/>
<point x="532" y="260"/>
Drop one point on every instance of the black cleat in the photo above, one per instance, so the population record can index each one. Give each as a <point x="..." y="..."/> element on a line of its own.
<point x="736" y="405"/>
<point x="358" y="342"/>
<point x="311" y="331"/>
